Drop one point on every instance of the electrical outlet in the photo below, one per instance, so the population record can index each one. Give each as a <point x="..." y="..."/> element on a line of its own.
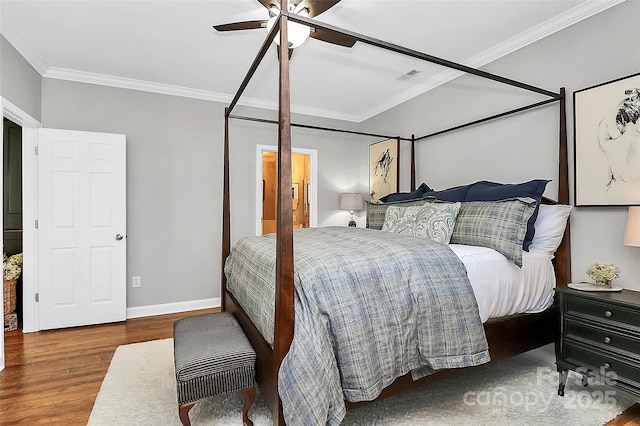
<point x="135" y="281"/>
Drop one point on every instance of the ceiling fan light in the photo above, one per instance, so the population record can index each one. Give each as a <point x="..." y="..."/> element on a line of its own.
<point x="298" y="33"/>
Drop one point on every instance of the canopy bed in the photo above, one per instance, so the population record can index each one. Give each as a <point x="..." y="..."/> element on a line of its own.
<point x="506" y="335"/>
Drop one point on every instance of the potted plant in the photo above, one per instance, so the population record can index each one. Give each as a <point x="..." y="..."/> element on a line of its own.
<point x="603" y="273"/>
<point x="12" y="268"/>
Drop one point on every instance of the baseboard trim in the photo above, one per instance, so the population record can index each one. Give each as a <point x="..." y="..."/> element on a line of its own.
<point x="172" y="308"/>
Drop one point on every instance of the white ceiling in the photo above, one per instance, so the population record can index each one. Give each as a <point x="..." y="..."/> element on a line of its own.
<point x="171" y="47"/>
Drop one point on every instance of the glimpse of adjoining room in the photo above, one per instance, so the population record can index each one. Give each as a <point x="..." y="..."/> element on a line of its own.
<point x="12" y="228"/>
<point x="300" y="172"/>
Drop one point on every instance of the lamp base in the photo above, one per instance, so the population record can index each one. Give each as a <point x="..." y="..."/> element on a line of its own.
<point x="352" y="224"/>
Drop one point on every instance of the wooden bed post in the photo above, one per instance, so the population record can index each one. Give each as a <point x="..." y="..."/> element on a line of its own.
<point x="563" y="182"/>
<point x="563" y="254"/>
<point x="284" y="303"/>
<point x="226" y="216"/>
<point x="413" y="163"/>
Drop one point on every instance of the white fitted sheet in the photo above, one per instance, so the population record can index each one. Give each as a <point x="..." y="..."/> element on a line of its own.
<point x="501" y="288"/>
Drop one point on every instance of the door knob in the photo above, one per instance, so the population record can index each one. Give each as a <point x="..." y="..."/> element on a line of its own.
<point x="119" y="237"/>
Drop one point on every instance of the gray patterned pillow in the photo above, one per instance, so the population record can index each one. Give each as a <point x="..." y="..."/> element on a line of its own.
<point x="377" y="212"/>
<point x="500" y="225"/>
<point x="432" y="220"/>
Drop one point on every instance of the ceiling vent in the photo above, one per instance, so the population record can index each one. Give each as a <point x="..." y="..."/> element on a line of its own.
<point x="407" y="75"/>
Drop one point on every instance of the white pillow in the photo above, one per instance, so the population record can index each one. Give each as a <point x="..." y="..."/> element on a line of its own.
<point x="549" y="226"/>
<point x="432" y="220"/>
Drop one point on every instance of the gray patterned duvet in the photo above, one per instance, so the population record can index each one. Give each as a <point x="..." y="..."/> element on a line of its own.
<point x="370" y="306"/>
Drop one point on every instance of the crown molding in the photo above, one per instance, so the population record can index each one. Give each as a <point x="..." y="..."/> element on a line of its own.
<point x="167" y="89"/>
<point x="9" y="31"/>
<point x="133" y="84"/>
<point x="579" y="13"/>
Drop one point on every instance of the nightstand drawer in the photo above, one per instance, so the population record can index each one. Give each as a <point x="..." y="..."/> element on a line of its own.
<point x="604" y="311"/>
<point x="599" y="362"/>
<point x="602" y="337"/>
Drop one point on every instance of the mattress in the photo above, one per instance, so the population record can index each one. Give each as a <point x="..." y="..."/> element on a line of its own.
<point x="501" y="288"/>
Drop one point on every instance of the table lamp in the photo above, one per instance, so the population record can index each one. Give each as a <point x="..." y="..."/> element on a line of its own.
<point x="632" y="230"/>
<point x="351" y="202"/>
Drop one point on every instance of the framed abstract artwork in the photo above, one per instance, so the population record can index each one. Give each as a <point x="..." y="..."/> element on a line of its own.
<point x="383" y="169"/>
<point x="607" y="143"/>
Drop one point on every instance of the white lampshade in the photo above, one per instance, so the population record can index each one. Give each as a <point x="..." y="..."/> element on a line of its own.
<point x="351" y="201"/>
<point x="632" y="230"/>
<point x="298" y="33"/>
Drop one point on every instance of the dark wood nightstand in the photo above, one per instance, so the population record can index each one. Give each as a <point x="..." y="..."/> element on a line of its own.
<point x="600" y="337"/>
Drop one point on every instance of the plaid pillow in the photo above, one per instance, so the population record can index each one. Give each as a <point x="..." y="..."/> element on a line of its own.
<point x="377" y="212"/>
<point x="500" y="225"/>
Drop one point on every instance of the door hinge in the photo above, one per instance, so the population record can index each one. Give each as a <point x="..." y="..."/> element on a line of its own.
<point x="37" y="297"/>
<point x="36" y="223"/>
<point x="35" y="150"/>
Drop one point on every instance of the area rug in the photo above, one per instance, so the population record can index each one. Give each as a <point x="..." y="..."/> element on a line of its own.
<point x="139" y="389"/>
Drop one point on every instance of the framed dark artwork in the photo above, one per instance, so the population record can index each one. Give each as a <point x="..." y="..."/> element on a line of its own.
<point x="295" y="195"/>
<point x="383" y="169"/>
<point x="607" y="143"/>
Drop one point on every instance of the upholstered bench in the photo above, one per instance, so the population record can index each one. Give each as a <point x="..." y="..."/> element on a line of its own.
<point x="212" y="356"/>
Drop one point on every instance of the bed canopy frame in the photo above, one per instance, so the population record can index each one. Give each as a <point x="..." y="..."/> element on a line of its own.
<point x="523" y="332"/>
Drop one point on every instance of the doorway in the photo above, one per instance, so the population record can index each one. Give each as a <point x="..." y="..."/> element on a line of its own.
<point x="30" y="199"/>
<point x="300" y="168"/>
<point x="12" y="220"/>
<point x="29" y="127"/>
<point x="303" y="191"/>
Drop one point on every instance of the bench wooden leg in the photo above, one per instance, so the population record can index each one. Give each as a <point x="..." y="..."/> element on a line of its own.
<point x="183" y="412"/>
<point x="249" y="395"/>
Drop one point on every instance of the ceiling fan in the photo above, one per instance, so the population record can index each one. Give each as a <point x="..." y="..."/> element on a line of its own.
<point x="308" y="8"/>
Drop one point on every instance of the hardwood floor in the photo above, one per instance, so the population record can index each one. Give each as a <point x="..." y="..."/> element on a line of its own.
<point x="630" y="417"/>
<point x="53" y="377"/>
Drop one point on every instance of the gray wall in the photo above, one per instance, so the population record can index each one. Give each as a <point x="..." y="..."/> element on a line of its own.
<point x="19" y="82"/>
<point x="337" y="170"/>
<point x="174" y="179"/>
<point x="599" y="49"/>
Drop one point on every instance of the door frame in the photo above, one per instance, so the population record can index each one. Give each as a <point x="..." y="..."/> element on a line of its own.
<point x="30" y="128"/>
<point x="313" y="166"/>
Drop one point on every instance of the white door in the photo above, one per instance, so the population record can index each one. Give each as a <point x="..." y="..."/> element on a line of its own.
<point x="81" y="228"/>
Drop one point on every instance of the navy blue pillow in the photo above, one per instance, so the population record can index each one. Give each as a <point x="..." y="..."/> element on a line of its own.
<point x="455" y="194"/>
<point x="406" y="196"/>
<point x="492" y="191"/>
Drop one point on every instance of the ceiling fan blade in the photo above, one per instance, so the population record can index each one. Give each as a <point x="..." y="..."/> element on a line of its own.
<point x="333" y="37"/>
<point x="316" y="7"/>
<point x="269" y="3"/>
<point x="246" y="25"/>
